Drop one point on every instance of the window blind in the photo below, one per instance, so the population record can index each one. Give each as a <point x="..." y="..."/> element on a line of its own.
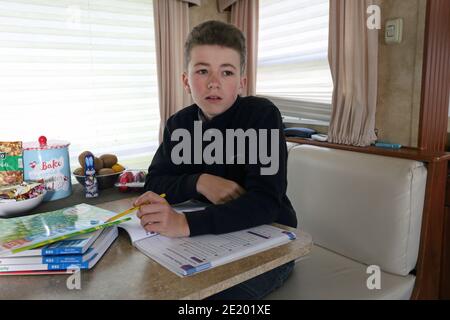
<point x="293" y="64"/>
<point x="83" y="71"/>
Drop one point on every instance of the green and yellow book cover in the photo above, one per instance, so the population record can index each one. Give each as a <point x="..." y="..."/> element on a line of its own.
<point x="29" y="232"/>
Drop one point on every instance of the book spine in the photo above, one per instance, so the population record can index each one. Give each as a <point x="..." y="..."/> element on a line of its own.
<point x="42" y="260"/>
<point x="63" y="259"/>
<point x="64" y="266"/>
<point x="23" y="267"/>
<point x="35" y="272"/>
<point x="62" y="250"/>
<point x="20" y="260"/>
<point x="40" y="267"/>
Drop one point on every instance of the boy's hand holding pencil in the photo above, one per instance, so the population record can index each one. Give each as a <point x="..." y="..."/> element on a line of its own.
<point x="128" y="211"/>
<point x="157" y="215"/>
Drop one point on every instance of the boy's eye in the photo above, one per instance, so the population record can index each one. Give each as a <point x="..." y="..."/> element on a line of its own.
<point x="202" y="71"/>
<point x="228" y="73"/>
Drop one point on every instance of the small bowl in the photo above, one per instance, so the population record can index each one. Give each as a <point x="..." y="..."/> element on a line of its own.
<point x="104" y="181"/>
<point x="18" y="208"/>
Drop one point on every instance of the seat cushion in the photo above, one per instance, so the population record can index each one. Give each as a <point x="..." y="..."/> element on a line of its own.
<point x="362" y="206"/>
<point x="326" y="275"/>
<point x="290" y="145"/>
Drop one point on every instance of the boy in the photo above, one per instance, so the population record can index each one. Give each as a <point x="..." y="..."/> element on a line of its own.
<point x="244" y="192"/>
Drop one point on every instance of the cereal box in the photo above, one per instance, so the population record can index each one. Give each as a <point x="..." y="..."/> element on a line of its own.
<point x="11" y="163"/>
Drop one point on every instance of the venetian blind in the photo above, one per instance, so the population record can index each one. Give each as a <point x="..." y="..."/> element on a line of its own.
<point x="83" y="71"/>
<point x="293" y="69"/>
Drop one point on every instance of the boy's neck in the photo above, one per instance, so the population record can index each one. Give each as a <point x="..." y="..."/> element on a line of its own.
<point x="204" y="118"/>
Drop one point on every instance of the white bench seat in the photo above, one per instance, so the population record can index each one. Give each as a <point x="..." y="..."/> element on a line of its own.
<point x="326" y="275"/>
<point x="360" y="210"/>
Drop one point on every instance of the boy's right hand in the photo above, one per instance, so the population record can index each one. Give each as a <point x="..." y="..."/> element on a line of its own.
<point x="217" y="189"/>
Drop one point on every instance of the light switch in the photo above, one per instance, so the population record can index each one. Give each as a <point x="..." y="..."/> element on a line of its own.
<point x="394" y="31"/>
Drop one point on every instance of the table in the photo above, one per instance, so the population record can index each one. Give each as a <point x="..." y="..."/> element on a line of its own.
<point x="125" y="273"/>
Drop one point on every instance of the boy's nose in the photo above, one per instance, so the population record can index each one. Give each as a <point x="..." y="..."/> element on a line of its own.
<point x="213" y="83"/>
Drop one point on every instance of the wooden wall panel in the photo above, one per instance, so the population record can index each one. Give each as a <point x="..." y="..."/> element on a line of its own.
<point x="432" y="138"/>
<point x="436" y="77"/>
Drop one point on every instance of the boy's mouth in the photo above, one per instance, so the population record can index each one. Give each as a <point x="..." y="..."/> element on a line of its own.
<point x="213" y="98"/>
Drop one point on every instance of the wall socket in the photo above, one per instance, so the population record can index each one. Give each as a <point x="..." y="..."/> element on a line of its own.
<point x="394" y="31"/>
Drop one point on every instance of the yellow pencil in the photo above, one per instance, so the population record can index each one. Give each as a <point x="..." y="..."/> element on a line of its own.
<point x="128" y="211"/>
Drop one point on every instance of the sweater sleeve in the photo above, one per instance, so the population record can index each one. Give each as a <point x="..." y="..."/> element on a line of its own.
<point x="164" y="177"/>
<point x="262" y="201"/>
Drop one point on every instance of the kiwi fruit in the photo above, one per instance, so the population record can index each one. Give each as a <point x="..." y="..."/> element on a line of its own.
<point x="98" y="164"/>
<point x="108" y="160"/>
<point x="79" y="172"/>
<point x="105" y="171"/>
<point x="82" y="158"/>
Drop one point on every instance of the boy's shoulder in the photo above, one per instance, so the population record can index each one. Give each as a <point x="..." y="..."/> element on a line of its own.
<point x="257" y="102"/>
<point x="259" y="106"/>
<point x="185" y="115"/>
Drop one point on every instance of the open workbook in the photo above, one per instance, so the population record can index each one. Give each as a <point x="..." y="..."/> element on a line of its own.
<point x="190" y="255"/>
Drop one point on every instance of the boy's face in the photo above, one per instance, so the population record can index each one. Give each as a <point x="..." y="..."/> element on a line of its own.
<point x="214" y="78"/>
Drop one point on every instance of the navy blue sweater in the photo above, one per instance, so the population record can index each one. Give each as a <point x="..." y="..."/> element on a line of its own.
<point x="265" y="200"/>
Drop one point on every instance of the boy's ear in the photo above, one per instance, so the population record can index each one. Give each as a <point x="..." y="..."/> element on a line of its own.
<point x="186" y="85"/>
<point x="243" y="84"/>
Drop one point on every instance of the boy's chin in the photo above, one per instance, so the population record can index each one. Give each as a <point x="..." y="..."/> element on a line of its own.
<point x="213" y="111"/>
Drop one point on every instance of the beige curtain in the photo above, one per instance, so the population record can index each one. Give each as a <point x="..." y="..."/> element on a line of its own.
<point x="353" y="57"/>
<point x="245" y="15"/>
<point x="171" y="30"/>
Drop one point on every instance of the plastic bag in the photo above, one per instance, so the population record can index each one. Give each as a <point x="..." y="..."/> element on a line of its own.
<point x="11" y="163"/>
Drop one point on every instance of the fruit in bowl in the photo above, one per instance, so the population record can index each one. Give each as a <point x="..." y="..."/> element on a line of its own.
<point x="106" y="166"/>
<point x="104" y="181"/>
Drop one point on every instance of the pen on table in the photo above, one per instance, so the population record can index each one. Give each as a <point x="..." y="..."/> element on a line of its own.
<point x="128" y="211"/>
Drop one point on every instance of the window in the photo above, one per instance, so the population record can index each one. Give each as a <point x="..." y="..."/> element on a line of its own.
<point x="83" y="71"/>
<point x="293" y="69"/>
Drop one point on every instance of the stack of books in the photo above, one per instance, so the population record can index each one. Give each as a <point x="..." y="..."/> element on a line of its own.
<point x="65" y="256"/>
<point x="61" y="241"/>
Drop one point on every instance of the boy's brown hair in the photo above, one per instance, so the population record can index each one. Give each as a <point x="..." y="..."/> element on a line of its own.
<point x="216" y="33"/>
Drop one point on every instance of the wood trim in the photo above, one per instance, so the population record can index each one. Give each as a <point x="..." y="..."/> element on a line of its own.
<point x="429" y="261"/>
<point x="447" y="195"/>
<point x="404" y="153"/>
<point x="436" y="77"/>
<point x="445" y="283"/>
<point x="432" y="138"/>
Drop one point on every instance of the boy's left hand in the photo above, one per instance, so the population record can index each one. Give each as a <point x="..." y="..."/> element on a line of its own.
<point x="158" y="216"/>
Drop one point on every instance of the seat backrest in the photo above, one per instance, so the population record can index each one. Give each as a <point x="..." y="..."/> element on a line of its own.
<point x="362" y="206"/>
